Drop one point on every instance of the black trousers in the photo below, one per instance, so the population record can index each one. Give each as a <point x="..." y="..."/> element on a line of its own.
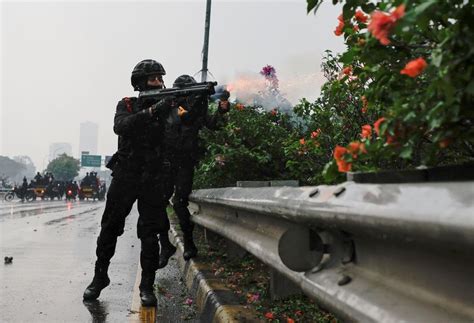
<point x="183" y="186"/>
<point x="179" y="179"/>
<point x="152" y="219"/>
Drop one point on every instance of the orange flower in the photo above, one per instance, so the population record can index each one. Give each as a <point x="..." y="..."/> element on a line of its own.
<point x="269" y="315"/>
<point x="290" y="320"/>
<point x="398" y="13"/>
<point x="414" y="67"/>
<point x="339" y="152"/>
<point x="239" y="106"/>
<point x="391" y="139"/>
<point x="302" y="141"/>
<point x="398" y="133"/>
<point x="343" y="166"/>
<point x="383" y="23"/>
<point x="315" y="134"/>
<point x="377" y="125"/>
<point x="366" y="131"/>
<point x="347" y="70"/>
<point x="365" y="103"/>
<point x="356" y="148"/>
<point x="360" y="16"/>
<point x="444" y="143"/>
<point x="340" y="28"/>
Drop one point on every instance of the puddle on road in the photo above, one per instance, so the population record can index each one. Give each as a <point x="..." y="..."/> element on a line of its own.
<point x="98" y="310"/>
<point x="14" y="212"/>
<point x="69" y="217"/>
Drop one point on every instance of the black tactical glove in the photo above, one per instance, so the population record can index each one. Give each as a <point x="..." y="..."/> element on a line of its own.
<point x="162" y="108"/>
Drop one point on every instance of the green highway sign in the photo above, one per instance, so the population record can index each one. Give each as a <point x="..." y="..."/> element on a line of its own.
<point x="90" y="160"/>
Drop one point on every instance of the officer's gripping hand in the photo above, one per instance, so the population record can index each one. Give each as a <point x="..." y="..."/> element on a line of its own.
<point x="162" y="108"/>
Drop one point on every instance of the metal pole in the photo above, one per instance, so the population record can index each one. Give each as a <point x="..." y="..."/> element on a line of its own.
<point x="206" y="41"/>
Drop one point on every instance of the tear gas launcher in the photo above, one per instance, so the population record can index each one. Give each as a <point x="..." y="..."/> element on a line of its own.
<point x="185" y="90"/>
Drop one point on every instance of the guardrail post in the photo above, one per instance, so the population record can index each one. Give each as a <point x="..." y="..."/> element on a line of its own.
<point x="281" y="287"/>
<point x="209" y="236"/>
<point x="234" y="251"/>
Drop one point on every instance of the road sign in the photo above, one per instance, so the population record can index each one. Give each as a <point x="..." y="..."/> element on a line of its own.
<point x="90" y="160"/>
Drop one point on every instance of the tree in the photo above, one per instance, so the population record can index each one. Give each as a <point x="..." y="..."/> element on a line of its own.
<point x="64" y="167"/>
<point x="10" y="168"/>
<point x="30" y="168"/>
<point x="249" y="147"/>
<point x="409" y="64"/>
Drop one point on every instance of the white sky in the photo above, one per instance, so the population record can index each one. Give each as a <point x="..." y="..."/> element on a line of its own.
<point x="63" y="63"/>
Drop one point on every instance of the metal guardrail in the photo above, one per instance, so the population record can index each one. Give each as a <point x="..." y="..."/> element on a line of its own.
<point x="367" y="252"/>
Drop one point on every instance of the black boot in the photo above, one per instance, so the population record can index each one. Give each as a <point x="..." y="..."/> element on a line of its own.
<point x="99" y="282"/>
<point x="147" y="294"/>
<point x="167" y="250"/>
<point x="190" y="250"/>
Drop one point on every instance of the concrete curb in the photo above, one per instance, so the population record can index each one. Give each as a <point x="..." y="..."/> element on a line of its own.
<point x="215" y="302"/>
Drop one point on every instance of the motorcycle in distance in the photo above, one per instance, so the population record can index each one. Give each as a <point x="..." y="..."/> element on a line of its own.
<point x="28" y="195"/>
<point x="71" y="191"/>
<point x="8" y="194"/>
<point x="70" y="195"/>
<point x="54" y="190"/>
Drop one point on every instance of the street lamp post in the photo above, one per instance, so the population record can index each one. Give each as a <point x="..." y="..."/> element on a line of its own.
<point x="205" y="48"/>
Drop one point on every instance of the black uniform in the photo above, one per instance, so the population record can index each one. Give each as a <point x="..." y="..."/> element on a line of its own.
<point x="181" y="151"/>
<point x="135" y="178"/>
<point x="135" y="170"/>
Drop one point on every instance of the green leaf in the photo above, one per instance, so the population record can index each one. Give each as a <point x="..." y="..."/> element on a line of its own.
<point x="420" y="9"/>
<point x="330" y="172"/>
<point x="437" y="58"/>
<point x="347" y="57"/>
<point x="313" y="4"/>
<point x="347" y="11"/>
<point x="368" y="7"/>
<point x="470" y="87"/>
<point x="409" y="116"/>
<point x="406" y="152"/>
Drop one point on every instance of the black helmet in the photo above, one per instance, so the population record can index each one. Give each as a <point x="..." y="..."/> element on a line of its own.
<point x="183" y="79"/>
<point x="143" y="69"/>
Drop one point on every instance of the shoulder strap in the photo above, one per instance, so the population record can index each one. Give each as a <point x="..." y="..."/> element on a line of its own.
<point x="129" y="103"/>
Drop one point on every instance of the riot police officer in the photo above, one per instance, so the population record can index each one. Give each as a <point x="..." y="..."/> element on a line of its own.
<point x="135" y="174"/>
<point x="181" y="150"/>
<point x="24" y="188"/>
<point x="38" y="178"/>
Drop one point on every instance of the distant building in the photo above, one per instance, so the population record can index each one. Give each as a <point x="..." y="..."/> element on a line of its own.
<point x="59" y="148"/>
<point x="88" y="137"/>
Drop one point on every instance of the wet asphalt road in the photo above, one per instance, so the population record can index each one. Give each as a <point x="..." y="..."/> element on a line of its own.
<point x="53" y="250"/>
